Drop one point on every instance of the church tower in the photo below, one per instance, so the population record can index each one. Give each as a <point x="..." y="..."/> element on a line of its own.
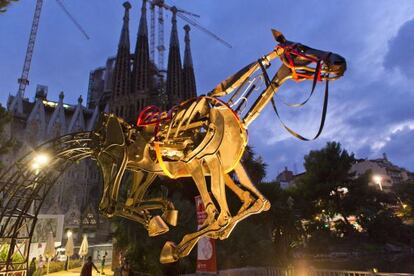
<point x="135" y="82"/>
<point x="121" y="84"/>
<point x="188" y="78"/>
<point x="174" y="86"/>
<point x="140" y="72"/>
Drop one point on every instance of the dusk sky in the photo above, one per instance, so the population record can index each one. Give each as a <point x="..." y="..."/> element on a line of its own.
<point x="370" y="109"/>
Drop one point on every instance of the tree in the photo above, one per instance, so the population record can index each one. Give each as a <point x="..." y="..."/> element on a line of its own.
<point x="405" y="196"/>
<point x="255" y="167"/>
<point x="324" y="185"/>
<point x="4" y="4"/>
<point x="6" y="141"/>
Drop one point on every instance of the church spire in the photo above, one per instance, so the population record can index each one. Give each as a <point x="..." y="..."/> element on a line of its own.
<point x="121" y="75"/>
<point x="174" y="64"/>
<point x="124" y="39"/>
<point x="188" y="78"/>
<point x="140" y="73"/>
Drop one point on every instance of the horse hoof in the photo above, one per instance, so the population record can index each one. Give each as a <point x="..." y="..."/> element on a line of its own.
<point x="157" y="226"/>
<point x="168" y="253"/>
<point x="267" y="205"/>
<point x="170" y="217"/>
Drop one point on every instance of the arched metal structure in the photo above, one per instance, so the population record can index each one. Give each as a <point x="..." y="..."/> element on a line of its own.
<point x="23" y="189"/>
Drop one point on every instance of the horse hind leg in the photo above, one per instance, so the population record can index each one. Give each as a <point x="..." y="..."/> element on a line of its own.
<point x="247" y="183"/>
<point x="171" y="252"/>
<point x="244" y="196"/>
<point x="259" y="205"/>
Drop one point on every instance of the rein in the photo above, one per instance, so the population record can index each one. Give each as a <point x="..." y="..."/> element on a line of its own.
<point x="288" y="61"/>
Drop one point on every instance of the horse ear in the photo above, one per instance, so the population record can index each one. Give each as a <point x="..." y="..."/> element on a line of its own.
<point x="115" y="134"/>
<point x="279" y="37"/>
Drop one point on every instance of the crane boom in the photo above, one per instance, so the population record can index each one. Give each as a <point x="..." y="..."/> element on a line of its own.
<point x="72" y="18"/>
<point x="152" y="33"/>
<point x="23" y="80"/>
<point x="205" y="30"/>
<point x="183" y="14"/>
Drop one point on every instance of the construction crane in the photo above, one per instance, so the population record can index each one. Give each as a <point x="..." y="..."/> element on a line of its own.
<point x="23" y="80"/>
<point x="180" y="13"/>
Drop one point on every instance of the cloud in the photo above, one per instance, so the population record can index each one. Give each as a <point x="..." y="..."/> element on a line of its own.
<point x="400" y="147"/>
<point x="401" y="48"/>
<point x="370" y="108"/>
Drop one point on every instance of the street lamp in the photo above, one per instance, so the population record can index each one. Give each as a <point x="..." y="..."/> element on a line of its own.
<point x="40" y="160"/>
<point x="69" y="247"/>
<point x="377" y="180"/>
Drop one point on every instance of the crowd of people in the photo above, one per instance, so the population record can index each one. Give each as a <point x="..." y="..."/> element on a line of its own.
<point x="36" y="267"/>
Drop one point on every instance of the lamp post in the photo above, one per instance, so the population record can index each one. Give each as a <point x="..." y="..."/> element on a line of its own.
<point x="377" y="180"/>
<point x="39" y="161"/>
<point x="69" y="246"/>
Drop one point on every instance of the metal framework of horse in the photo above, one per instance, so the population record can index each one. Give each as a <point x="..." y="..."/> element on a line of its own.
<point x="204" y="136"/>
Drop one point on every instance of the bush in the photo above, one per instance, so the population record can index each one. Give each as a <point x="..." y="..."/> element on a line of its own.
<point x="59" y="266"/>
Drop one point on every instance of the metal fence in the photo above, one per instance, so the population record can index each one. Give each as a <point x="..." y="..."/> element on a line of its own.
<point x="275" y="271"/>
<point x="325" y="272"/>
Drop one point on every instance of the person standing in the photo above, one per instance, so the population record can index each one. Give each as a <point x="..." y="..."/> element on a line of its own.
<point x="103" y="262"/>
<point x="32" y="267"/>
<point x="41" y="265"/>
<point x="87" y="268"/>
<point x="126" y="269"/>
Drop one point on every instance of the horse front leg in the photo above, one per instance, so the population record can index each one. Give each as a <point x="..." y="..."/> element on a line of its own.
<point x="194" y="167"/>
<point x="136" y="203"/>
<point x="113" y="164"/>
<point x="218" y="187"/>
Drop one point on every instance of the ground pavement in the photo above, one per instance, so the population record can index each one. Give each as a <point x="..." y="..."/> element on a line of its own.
<point x="76" y="271"/>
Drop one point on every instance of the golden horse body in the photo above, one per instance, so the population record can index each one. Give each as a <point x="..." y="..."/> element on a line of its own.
<point x="201" y="137"/>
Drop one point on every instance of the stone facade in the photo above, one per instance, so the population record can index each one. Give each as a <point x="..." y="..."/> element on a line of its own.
<point x="78" y="189"/>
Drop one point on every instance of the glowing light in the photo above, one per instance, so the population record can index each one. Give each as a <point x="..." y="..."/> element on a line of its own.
<point x="69" y="234"/>
<point x="40" y="160"/>
<point x="343" y="190"/>
<point x="377" y="180"/>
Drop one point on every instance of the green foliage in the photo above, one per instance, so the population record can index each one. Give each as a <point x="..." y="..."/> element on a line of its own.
<point x="60" y="266"/>
<point x="6" y="142"/>
<point x="4" y="4"/>
<point x="4" y="251"/>
<point x="405" y="194"/>
<point x="255" y="167"/>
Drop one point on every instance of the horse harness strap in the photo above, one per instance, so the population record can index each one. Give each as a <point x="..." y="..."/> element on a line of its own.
<point x="325" y="102"/>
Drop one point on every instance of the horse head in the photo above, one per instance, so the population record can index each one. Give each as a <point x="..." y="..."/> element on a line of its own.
<point x="298" y="58"/>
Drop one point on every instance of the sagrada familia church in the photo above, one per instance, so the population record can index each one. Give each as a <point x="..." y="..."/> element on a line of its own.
<point x="124" y="86"/>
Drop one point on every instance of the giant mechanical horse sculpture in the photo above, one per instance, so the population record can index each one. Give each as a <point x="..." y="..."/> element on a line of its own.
<point x="204" y="136"/>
